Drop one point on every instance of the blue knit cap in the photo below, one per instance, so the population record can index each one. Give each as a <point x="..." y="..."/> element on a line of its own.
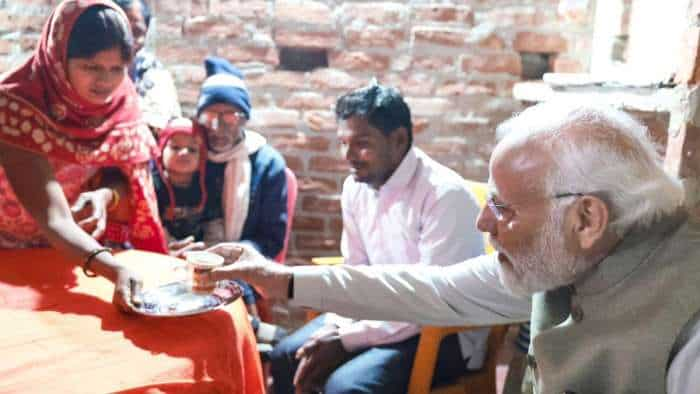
<point x="224" y="84"/>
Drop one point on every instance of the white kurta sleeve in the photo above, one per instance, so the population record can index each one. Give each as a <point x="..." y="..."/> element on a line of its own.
<point x="468" y="293"/>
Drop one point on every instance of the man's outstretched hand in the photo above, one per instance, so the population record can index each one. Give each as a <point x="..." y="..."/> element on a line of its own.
<point x="245" y="263"/>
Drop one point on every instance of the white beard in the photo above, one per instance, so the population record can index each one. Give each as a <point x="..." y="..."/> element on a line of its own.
<point x="547" y="264"/>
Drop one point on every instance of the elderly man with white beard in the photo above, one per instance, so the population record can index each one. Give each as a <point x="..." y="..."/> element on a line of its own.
<point x="594" y="246"/>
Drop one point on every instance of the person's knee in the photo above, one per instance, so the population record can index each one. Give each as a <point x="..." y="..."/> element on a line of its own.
<point x="343" y="381"/>
<point x="337" y="386"/>
<point x="283" y="354"/>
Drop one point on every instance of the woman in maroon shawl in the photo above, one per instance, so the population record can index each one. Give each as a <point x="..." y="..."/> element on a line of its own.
<point x="66" y="113"/>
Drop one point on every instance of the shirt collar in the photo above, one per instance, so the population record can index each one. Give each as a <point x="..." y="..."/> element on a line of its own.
<point x="633" y="251"/>
<point x="404" y="172"/>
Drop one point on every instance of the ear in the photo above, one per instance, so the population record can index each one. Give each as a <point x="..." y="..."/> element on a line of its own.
<point x="590" y="221"/>
<point x="399" y="139"/>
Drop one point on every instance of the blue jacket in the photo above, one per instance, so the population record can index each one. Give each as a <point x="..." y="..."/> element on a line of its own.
<point x="266" y="224"/>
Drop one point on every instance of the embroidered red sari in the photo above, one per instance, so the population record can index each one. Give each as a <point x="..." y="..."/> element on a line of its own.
<point x="42" y="113"/>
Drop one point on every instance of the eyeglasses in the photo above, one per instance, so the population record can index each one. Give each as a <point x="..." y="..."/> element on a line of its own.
<point x="215" y="120"/>
<point x="504" y="212"/>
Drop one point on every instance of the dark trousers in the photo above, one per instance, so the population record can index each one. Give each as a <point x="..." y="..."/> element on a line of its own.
<point x="379" y="369"/>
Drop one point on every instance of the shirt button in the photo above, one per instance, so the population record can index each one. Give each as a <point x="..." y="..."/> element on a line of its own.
<point x="577" y="313"/>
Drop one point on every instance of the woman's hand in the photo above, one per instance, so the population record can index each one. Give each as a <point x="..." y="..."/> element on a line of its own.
<point x="90" y="211"/>
<point x="127" y="290"/>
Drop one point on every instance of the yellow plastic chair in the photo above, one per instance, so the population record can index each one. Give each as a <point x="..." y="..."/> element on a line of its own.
<point x="482" y="381"/>
<point x="477" y="382"/>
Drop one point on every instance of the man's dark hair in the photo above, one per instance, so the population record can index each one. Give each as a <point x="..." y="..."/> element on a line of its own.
<point x="145" y="9"/>
<point x="97" y="29"/>
<point x="382" y="106"/>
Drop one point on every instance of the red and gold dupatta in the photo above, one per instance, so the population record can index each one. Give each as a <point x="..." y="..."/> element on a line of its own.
<point x="41" y="112"/>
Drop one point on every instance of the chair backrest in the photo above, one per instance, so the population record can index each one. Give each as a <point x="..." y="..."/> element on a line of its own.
<point x="481" y="191"/>
<point x="292" y="190"/>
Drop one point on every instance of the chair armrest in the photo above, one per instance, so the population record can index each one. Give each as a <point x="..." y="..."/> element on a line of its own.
<point x="329" y="260"/>
<point x="426" y="356"/>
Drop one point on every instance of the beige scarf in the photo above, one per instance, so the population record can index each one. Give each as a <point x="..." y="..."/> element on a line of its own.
<point x="236" y="194"/>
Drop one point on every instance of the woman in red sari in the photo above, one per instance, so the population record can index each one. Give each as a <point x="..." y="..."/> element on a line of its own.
<point x="65" y="114"/>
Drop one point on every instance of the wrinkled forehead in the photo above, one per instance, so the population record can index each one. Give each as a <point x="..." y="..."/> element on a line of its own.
<point x="519" y="169"/>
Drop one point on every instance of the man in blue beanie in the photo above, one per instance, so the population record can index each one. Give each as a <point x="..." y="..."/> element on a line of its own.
<point x="245" y="177"/>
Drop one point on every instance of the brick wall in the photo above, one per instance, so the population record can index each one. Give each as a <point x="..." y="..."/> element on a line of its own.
<point x="455" y="62"/>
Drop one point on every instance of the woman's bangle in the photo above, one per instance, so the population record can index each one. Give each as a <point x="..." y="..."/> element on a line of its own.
<point x="115" y="200"/>
<point x="88" y="261"/>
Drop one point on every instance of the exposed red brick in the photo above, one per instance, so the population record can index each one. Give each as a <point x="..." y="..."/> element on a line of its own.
<point x="188" y="93"/>
<point x="238" y="53"/>
<point x="374" y="37"/>
<point x="443" y="36"/>
<point x="492" y="63"/>
<point x="318" y="120"/>
<point x="199" y="7"/>
<point x="181" y="52"/>
<point x="5" y="46"/>
<point x="38" y="2"/>
<point x="380" y="14"/>
<point x="439" y="147"/>
<point x="526" y="41"/>
<point x="318" y="185"/>
<point x="518" y="16"/>
<point x="658" y="125"/>
<point x="168" y="30"/>
<point x="429" y="107"/>
<point x="358" y="61"/>
<point x="188" y="73"/>
<point x="456" y="89"/>
<point x="171" y="8"/>
<point x="328" y="164"/>
<point x="277" y="79"/>
<point x="688" y="68"/>
<point x="471" y="126"/>
<point x="213" y="27"/>
<point x="307" y="223"/>
<point x="251" y="10"/>
<point x="412" y="84"/>
<point x="29" y="41"/>
<point x="321" y="203"/>
<point x="683" y="147"/>
<point x="336" y="225"/>
<point x="308" y="100"/>
<point x="419" y="125"/>
<point x="316" y="242"/>
<point x="441" y="63"/>
<point x="294" y="163"/>
<point x="333" y="79"/>
<point x="490" y="41"/>
<point x="295" y="13"/>
<point x="271" y="118"/>
<point x="579" y="12"/>
<point x="300" y="141"/>
<point x="443" y="13"/>
<point x="307" y="39"/>
<point x="563" y="64"/>
<point x="25" y="22"/>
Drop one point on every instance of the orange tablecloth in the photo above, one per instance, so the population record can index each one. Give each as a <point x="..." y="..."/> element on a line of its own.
<point x="61" y="334"/>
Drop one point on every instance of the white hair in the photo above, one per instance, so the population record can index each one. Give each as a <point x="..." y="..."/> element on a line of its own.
<point x="602" y="151"/>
